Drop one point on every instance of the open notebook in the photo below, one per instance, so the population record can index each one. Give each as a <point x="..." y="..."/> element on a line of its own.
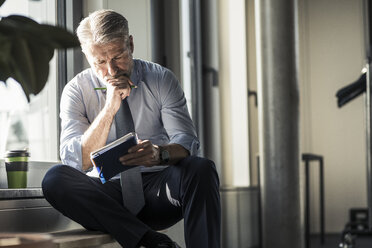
<point x="106" y="159"/>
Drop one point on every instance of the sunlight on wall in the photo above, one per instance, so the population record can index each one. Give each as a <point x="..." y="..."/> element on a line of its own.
<point x="234" y="93"/>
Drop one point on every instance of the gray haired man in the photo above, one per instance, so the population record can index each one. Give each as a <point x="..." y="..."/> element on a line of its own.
<point x="174" y="182"/>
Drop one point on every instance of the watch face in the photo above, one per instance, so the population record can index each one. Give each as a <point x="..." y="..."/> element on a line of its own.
<point x="165" y="155"/>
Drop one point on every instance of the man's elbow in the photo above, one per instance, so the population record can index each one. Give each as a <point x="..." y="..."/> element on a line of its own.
<point x="86" y="165"/>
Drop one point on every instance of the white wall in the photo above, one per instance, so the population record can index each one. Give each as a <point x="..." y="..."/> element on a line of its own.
<point x="332" y="56"/>
<point x="138" y="16"/>
<point x="233" y="92"/>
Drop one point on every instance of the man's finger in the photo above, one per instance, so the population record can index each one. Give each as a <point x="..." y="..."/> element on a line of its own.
<point x="143" y="144"/>
<point x="135" y="154"/>
<point x="141" y="155"/>
<point x="147" y="159"/>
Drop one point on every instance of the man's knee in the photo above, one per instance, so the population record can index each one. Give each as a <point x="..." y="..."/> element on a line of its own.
<point x="200" y="168"/>
<point x="55" y="180"/>
<point x="200" y="165"/>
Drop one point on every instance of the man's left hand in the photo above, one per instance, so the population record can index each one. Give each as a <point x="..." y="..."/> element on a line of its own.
<point x="145" y="153"/>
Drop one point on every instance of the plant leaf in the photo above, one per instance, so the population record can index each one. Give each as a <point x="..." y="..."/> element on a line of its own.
<point x="41" y="57"/>
<point x="31" y="64"/>
<point x="5" y="54"/>
<point x="26" y="48"/>
<point x="58" y="37"/>
<point x="24" y="64"/>
<point x="23" y="69"/>
<point x="53" y="36"/>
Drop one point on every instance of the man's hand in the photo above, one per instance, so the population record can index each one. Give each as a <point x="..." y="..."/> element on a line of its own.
<point x="145" y="153"/>
<point x="118" y="88"/>
<point x="148" y="154"/>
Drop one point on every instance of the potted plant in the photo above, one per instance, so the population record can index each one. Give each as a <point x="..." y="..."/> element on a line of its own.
<point x="26" y="47"/>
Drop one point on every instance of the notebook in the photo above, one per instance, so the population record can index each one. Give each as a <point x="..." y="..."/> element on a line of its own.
<point x="106" y="159"/>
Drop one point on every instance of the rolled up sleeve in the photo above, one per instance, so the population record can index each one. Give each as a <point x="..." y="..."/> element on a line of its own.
<point x="175" y="115"/>
<point x="73" y="125"/>
<point x="189" y="142"/>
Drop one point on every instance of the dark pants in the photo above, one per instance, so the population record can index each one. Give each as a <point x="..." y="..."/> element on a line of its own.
<point x="188" y="190"/>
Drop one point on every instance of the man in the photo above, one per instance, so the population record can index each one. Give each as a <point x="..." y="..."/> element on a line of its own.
<point x="176" y="184"/>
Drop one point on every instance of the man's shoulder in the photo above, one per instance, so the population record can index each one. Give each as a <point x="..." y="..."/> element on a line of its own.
<point x="83" y="75"/>
<point x="80" y="83"/>
<point x="81" y="78"/>
<point x="148" y="66"/>
<point x="152" y="71"/>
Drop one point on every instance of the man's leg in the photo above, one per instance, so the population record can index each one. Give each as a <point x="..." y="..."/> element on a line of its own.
<point x="189" y="189"/>
<point x="94" y="205"/>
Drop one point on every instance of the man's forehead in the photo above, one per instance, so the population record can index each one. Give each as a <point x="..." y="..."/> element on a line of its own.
<point x="108" y="48"/>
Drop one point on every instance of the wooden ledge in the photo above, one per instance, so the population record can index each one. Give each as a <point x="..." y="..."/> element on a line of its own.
<point x="82" y="238"/>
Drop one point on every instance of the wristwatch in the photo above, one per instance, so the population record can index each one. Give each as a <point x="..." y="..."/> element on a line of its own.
<point x="164" y="155"/>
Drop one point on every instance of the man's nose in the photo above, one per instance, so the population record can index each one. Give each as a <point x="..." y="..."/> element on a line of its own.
<point x="112" y="68"/>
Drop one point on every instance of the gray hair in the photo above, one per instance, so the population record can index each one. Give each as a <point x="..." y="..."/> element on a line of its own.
<point x="102" y="26"/>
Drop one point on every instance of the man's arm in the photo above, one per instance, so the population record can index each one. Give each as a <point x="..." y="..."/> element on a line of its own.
<point x="148" y="154"/>
<point x="96" y="135"/>
<point x="174" y="153"/>
<point x="177" y="123"/>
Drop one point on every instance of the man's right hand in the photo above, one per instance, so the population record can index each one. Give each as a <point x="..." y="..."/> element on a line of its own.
<point x="118" y="88"/>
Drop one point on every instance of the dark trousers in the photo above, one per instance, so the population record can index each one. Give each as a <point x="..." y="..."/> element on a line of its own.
<point x="188" y="190"/>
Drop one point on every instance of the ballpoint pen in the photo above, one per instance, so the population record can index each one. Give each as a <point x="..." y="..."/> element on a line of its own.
<point x="104" y="88"/>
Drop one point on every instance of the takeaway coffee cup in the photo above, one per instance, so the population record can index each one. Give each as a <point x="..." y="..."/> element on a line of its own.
<point x="16" y="163"/>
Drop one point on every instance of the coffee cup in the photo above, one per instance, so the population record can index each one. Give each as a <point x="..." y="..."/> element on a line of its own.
<point x="16" y="163"/>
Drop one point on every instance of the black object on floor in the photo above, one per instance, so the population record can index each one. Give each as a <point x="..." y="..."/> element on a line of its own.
<point x="356" y="229"/>
<point x="333" y="241"/>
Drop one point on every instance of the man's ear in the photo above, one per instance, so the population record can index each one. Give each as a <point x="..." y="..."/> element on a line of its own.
<point x="84" y="51"/>
<point x="86" y="54"/>
<point x="131" y="43"/>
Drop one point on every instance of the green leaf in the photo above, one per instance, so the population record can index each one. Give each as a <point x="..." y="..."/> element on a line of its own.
<point x="41" y="57"/>
<point x="31" y="65"/>
<point x="59" y="37"/>
<point x="26" y="48"/>
<point x="23" y="69"/>
<point x="21" y="19"/>
<point x="5" y="55"/>
<point x="49" y="35"/>
<point x="24" y="66"/>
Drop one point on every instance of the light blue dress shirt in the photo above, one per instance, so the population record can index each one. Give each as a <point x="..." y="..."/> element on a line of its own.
<point x="158" y="109"/>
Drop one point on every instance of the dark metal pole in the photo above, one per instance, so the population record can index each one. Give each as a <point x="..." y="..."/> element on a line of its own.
<point x="369" y="145"/>
<point x="369" y="140"/>
<point x="259" y="203"/>
<point x="277" y="71"/>
<point x="321" y="189"/>
<point x="196" y="70"/>
<point x="368" y="103"/>
<point x="61" y="62"/>
<point x="307" y="204"/>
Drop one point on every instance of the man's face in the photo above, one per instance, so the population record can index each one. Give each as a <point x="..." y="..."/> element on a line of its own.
<point x="111" y="60"/>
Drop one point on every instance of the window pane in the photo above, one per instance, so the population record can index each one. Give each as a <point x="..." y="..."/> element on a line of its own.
<point x="30" y="125"/>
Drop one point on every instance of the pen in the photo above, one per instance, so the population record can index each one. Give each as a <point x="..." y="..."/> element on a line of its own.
<point x="104" y="88"/>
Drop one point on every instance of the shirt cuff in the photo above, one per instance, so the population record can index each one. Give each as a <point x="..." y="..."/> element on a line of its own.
<point x="189" y="142"/>
<point x="71" y="153"/>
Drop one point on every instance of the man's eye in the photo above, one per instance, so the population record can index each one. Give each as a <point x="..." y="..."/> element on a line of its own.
<point x="100" y="62"/>
<point x="117" y="58"/>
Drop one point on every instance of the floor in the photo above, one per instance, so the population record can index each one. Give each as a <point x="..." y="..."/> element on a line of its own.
<point x="334" y="240"/>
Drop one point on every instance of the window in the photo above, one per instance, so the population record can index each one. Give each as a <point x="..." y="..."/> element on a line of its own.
<point x="32" y="125"/>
